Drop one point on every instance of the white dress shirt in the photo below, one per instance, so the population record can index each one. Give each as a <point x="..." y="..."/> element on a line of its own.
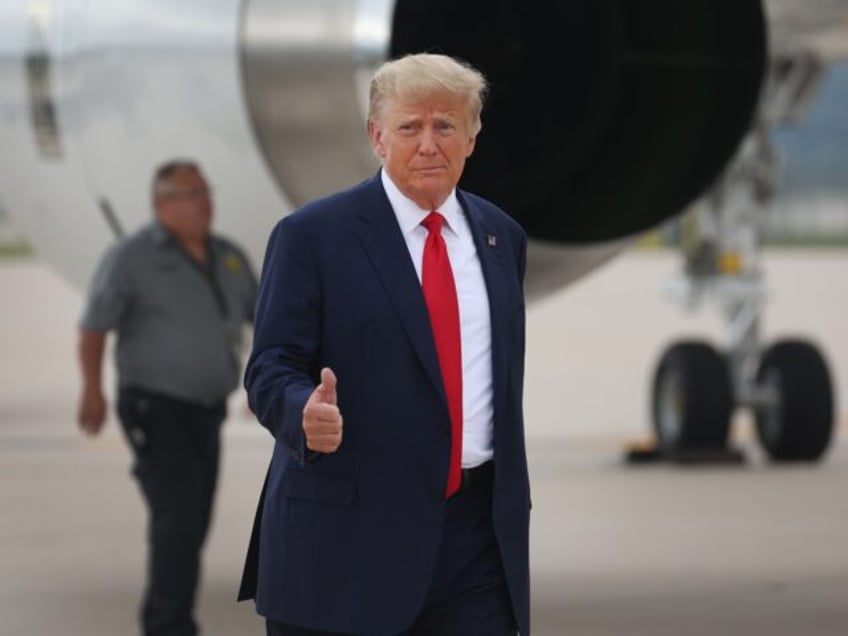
<point x="474" y="320"/>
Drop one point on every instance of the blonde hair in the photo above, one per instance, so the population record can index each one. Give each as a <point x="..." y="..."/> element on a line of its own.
<point x="421" y="75"/>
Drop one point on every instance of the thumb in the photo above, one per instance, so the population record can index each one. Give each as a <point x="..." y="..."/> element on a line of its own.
<point x="327" y="388"/>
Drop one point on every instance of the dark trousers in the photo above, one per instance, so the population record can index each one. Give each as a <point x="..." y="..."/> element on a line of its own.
<point x="176" y="448"/>
<point x="468" y="594"/>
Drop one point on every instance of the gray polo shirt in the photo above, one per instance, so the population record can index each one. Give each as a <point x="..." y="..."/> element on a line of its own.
<point x="179" y="323"/>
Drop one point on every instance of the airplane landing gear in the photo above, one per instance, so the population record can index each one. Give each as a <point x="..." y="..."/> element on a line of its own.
<point x="796" y="424"/>
<point x="692" y="399"/>
<point x="787" y="385"/>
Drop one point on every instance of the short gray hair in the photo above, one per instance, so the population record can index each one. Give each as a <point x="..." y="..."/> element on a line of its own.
<point x="421" y="75"/>
<point x="166" y="171"/>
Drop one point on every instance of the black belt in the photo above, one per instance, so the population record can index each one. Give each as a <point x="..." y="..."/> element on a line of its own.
<point x="478" y="477"/>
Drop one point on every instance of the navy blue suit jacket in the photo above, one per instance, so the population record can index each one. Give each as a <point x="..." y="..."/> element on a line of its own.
<point x="346" y="542"/>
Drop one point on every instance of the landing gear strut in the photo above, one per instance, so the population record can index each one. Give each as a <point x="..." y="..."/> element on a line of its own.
<point x="786" y="385"/>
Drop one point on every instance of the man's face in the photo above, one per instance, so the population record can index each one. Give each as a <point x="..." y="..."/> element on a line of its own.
<point x="423" y="146"/>
<point x="184" y="207"/>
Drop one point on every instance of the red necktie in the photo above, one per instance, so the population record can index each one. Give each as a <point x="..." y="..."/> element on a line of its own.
<point x="440" y="295"/>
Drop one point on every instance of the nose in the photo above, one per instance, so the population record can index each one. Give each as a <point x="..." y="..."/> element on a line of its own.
<point x="427" y="144"/>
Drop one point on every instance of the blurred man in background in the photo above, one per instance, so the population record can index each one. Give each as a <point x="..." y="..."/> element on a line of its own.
<point x="178" y="298"/>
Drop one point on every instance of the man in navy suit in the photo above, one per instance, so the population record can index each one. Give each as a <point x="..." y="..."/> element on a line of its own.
<point x="388" y="364"/>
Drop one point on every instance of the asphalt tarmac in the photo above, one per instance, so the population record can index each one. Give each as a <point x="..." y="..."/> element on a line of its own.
<point x="656" y="549"/>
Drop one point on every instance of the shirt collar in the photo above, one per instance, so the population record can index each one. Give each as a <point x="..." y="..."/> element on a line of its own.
<point x="409" y="215"/>
<point x="159" y="234"/>
<point x="164" y="239"/>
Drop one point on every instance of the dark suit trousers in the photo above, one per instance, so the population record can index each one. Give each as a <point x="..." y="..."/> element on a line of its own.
<point x="468" y="595"/>
<point x="176" y="448"/>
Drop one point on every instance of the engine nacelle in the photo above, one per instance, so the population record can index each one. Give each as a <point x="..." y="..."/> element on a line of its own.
<point x="605" y="117"/>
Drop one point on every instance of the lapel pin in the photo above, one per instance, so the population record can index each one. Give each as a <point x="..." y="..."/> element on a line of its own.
<point x="491" y="240"/>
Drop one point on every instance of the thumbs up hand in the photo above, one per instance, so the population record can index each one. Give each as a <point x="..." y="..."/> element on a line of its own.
<point x="322" y="421"/>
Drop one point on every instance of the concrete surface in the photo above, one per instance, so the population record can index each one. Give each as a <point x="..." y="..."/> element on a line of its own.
<point x="658" y="549"/>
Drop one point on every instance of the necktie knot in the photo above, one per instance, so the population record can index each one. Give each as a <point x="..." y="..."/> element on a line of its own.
<point x="433" y="222"/>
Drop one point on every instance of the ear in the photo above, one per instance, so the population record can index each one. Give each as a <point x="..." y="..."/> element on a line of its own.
<point x="375" y="135"/>
<point x="472" y="141"/>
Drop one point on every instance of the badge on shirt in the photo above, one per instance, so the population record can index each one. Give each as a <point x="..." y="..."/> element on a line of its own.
<point x="232" y="262"/>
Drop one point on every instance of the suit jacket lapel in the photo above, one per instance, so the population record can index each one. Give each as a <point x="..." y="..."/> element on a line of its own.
<point x="378" y="230"/>
<point x="486" y="242"/>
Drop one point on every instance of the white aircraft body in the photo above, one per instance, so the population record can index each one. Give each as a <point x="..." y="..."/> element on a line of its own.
<point x="605" y="118"/>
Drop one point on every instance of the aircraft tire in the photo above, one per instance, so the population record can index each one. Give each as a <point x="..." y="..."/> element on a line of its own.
<point x="691" y="398"/>
<point x="800" y="426"/>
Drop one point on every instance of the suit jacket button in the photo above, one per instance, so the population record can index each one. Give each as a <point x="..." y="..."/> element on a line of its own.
<point x="444" y="430"/>
<point x="438" y="496"/>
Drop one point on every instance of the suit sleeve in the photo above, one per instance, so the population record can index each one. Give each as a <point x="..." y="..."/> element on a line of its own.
<point x="282" y="370"/>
